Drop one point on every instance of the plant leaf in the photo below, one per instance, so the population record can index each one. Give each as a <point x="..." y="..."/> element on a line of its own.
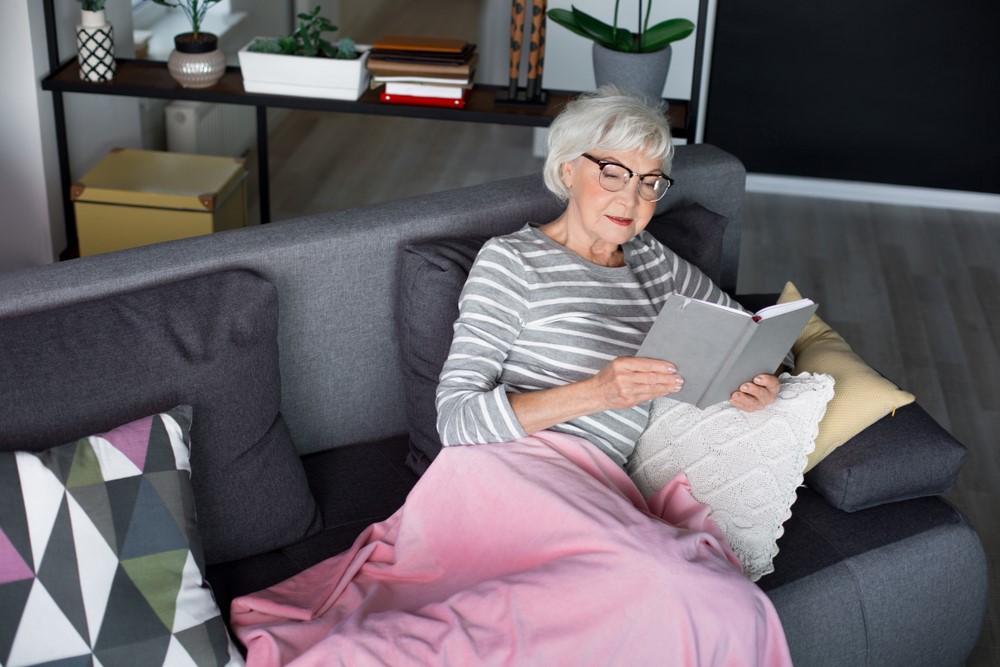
<point x="565" y="18"/>
<point x="602" y="33"/>
<point x="661" y="34"/>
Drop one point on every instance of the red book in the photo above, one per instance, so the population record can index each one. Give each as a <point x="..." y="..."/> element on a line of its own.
<point x="425" y="101"/>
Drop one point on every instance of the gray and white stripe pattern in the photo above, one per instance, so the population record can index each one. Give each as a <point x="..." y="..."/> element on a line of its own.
<point x="535" y="315"/>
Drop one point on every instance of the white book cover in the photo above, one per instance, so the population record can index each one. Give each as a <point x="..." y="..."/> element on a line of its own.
<point x="424" y="90"/>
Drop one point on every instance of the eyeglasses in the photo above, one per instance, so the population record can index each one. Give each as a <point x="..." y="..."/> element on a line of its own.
<point x="615" y="177"/>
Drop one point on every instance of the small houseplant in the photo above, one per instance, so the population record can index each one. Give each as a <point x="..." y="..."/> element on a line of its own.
<point x="95" y="43"/>
<point x="307" y="40"/>
<point x="305" y="63"/>
<point x="196" y="61"/>
<point x="639" y="60"/>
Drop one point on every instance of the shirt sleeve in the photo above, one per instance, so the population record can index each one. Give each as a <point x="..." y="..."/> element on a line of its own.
<point x="472" y="403"/>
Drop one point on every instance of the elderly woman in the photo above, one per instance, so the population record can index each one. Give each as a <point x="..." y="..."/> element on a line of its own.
<point x="552" y="315"/>
<point x="540" y="550"/>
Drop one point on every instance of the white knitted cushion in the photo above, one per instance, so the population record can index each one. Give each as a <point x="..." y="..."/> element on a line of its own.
<point x="745" y="466"/>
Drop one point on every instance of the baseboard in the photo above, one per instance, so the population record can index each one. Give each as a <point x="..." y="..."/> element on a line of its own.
<point x="900" y="195"/>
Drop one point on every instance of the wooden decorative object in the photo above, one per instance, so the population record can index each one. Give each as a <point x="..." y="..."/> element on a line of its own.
<point x="532" y="94"/>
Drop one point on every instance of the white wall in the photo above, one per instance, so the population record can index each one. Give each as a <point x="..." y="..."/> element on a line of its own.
<point x="25" y="230"/>
<point x="32" y="229"/>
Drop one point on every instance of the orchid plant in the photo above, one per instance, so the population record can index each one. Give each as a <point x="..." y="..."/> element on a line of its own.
<point x="646" y="39"/>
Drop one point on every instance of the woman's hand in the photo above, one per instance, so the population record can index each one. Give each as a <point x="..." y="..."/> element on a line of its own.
<point x="756" y="394"/>
<point x="628" y="381"/>
<point x="624" y="382"/>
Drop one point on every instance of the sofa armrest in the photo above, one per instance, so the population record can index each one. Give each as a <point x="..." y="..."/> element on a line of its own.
<point x="902" y="456"/>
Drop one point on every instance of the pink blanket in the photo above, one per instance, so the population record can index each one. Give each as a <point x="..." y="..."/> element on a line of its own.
<point x="536" y="552"/>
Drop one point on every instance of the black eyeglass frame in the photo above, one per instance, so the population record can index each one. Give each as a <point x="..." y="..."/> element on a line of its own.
<point x="603" y="163"/>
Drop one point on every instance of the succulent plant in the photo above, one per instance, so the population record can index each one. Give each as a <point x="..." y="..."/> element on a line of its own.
<point x="307" y="40"/>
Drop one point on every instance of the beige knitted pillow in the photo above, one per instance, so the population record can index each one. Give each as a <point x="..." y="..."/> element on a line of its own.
<point x="861" y="395"/>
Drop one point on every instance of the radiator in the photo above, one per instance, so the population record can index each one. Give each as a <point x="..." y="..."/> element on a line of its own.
<point x="206" y="128"/>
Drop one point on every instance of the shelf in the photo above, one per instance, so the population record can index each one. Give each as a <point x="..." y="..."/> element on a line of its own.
<point x="151" y="79"/>
<point x="143" y="78"/>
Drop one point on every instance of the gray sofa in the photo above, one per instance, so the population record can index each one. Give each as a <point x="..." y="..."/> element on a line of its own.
<point x="307" y="347"/>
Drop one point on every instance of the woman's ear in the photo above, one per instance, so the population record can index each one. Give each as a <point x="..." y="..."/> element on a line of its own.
<point x="566" y="174"/>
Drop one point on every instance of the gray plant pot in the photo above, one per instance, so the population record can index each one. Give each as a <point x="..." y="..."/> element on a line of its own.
<point x="644" y="73"/>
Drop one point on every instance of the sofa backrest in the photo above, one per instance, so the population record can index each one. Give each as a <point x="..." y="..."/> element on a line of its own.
<point x="335" y="274"/>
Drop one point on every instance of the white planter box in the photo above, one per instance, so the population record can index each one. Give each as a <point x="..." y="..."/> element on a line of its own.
<point x="280" y="74"/>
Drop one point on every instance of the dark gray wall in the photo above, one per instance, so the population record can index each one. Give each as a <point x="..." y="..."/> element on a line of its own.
<point x="903" y="92"/>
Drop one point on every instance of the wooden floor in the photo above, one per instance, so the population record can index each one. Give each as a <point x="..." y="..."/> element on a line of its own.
<point x="915" y="291"/>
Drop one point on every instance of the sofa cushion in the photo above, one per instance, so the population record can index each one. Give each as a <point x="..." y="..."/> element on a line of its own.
<point x="209" y="342"/>
<point x="745" y="466"/>
<point x="695" y="233"/>
<point x="355" y="486"/>
<point x="431" y="276"/>
<point x="875" y="445"/>
<point x="100" y="553"/>
<point x="863" y="396"/>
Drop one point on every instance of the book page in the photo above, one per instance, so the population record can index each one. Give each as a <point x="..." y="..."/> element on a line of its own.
<point x="781" y="308"/>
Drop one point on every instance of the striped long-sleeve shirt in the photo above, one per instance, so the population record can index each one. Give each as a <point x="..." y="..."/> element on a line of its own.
<point x="535" y="315"/>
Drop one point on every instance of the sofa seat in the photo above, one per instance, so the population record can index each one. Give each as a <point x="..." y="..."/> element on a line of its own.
<point x="354" y="486"/>
<point x="843" y="559"/>
<point x="850" y="566"/>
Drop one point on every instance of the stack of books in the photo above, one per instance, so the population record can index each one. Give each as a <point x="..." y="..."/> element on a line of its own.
<point x="423" y="70"/>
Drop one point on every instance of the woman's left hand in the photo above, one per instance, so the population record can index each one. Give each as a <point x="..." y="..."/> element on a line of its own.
<point x="756" y="394"/>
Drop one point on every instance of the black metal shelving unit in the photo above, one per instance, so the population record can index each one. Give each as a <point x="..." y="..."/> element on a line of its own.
<point x="150" y="79"/>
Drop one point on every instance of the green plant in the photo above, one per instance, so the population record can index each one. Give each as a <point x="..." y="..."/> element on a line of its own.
<point x="194" y="9"/>
<point x="648" y="38"/>
<point x="91" y="5"/>
<point x="307" y="40"/>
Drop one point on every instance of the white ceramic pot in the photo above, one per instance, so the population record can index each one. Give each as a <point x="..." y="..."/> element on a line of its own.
<point x="280" y="74"/>
<point x="95" y="47"/>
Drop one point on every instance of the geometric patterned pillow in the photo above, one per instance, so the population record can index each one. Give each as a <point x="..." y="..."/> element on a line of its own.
<point x="100" y="559"/>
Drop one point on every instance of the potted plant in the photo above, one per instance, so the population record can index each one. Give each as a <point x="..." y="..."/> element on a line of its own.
<point x="304" y="63"/>
<point x="95" y="43"/>
<point x="637" y="60"/>
<point x="196" y="61"/>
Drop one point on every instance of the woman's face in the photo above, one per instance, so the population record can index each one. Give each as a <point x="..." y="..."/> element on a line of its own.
<point x="604" y="216"/>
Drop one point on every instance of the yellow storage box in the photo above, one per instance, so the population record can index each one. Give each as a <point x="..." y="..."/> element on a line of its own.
<point x="135" y="197"/>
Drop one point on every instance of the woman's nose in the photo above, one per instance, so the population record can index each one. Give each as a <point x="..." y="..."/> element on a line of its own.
<point x="631" y="190"/>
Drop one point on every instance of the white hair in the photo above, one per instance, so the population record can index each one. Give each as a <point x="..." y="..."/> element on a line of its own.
<point x="608" y="119"/>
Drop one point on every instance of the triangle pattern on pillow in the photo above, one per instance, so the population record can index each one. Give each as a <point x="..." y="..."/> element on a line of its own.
<point x="109" y="523"/>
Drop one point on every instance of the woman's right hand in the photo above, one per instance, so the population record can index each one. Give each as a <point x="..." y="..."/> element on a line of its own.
<point x="623" y="383"/>
<point x="628" y="381"/>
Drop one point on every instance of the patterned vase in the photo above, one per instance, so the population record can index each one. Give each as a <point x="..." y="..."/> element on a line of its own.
<point x="95" y="46"/>
<point x="196" y="62"/>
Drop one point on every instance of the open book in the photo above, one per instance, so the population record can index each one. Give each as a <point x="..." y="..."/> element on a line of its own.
<point x="716" y="348"/>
